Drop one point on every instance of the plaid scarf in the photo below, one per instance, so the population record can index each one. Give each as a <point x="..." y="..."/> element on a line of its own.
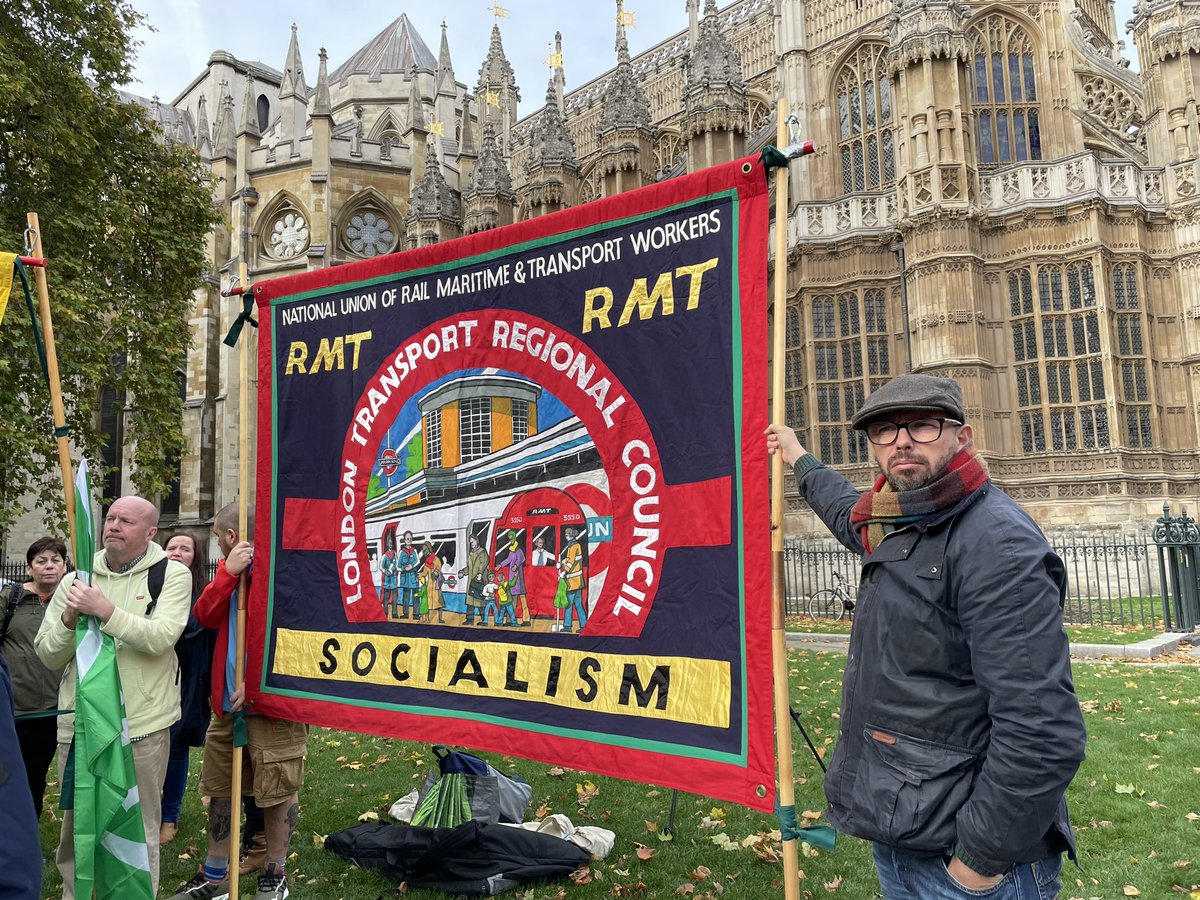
<point x="882" y="506"/>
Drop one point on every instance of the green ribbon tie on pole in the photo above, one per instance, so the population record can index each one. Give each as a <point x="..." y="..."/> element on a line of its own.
<point x="772" y="157"/>
<point x="245" y="317"/>
<point x="241" y="732"/>
<point x="820" y="836"/>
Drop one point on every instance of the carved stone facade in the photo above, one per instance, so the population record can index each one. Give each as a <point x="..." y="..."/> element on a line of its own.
<point x="995" y="196"/>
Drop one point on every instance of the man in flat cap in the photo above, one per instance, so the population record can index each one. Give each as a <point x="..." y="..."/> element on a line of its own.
<point x="960" y="729"/>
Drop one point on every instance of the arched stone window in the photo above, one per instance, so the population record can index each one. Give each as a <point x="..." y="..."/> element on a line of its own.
<point x="284" y="233"/>
<point x="368" y="226"/>
<point x="864" y="106"/>
<point x="1004" y="93"/>
<point x="263" y="110"/>
<point x="369" y="231"/>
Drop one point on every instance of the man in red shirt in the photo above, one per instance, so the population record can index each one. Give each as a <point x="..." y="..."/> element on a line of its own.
<point x="273" y="759"/>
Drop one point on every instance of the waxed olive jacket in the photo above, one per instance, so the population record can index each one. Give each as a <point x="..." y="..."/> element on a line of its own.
<point x="960" y="727"/>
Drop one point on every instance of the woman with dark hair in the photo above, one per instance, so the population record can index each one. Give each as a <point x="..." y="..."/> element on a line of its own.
<point x="194" y="650"/>
<point x="34" y="687"/>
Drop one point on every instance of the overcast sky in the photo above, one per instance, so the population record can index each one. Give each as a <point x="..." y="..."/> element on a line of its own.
<point x="186" y="32"/>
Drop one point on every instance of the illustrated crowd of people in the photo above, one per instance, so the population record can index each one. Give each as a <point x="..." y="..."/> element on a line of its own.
<point x="496" y="592"/>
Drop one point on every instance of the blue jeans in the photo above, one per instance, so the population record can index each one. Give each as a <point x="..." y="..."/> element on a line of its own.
<point x="176" y="782"/>
<point x="905" y="877"/>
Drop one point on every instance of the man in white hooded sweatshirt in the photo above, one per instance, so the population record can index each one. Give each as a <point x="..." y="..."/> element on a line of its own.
<point x="145" y="630"/>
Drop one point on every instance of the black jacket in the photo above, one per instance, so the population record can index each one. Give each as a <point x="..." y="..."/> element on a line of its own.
<point x="195" y="652"/>
<point x="959" y="721"/>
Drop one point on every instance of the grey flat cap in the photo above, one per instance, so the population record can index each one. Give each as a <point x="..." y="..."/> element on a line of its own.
<point x="912" y="392"/>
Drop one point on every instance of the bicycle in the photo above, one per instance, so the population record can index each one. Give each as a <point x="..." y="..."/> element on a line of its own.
<point x="832" y="603"/>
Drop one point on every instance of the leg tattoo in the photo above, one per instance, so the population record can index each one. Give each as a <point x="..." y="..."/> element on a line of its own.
<point x="219" y="810"/>
<point x="293" y="816"/>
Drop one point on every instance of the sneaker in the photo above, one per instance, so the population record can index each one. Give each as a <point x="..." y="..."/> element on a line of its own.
<point x="272" y="885"/>
<point x="254" y="854"/>
<point x="200" y="889"/>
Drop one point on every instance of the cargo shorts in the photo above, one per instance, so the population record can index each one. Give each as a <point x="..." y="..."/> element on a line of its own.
<point x="272" y="760"/>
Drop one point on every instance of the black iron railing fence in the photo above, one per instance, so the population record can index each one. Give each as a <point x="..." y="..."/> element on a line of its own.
<point x="1112" y="580"/>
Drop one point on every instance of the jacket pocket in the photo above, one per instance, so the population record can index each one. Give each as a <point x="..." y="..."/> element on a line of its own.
<point x="910" y="790"/>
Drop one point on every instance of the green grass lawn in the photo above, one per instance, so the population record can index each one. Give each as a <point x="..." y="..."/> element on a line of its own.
<point x="1135" y="804"/>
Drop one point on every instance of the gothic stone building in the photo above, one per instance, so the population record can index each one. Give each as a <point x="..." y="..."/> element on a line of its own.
<point x="996" y="197"/>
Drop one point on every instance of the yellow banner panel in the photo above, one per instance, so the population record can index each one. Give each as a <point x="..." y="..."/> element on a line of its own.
<point x="672" y="688"/>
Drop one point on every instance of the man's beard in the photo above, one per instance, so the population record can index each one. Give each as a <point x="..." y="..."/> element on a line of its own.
<point x="916" y="479"/>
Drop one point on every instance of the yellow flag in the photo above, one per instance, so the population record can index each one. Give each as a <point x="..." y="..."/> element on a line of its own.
<point x="7" y="273"/>
<point x="554" y="60"/>
<point x="437" y="128"/>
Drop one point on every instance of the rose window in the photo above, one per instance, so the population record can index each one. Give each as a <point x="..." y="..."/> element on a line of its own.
<point x="369" y="234"/>
<point x="289" y="235"/>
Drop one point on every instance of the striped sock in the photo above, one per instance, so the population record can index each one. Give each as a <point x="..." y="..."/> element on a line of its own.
<point x="215" y="868"/>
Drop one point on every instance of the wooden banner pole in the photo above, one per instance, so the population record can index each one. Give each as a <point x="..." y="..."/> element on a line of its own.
<point x="783" y="725"/>
<point x="239" y="678"/>
<point x="56" y="398"/>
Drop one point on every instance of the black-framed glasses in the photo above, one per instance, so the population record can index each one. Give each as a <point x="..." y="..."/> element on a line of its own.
<point x="922" y="431"/>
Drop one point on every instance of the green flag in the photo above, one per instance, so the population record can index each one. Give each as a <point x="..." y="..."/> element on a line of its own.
<point x="110" y="843"/>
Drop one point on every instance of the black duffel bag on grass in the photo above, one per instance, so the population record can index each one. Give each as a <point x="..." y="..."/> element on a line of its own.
<point x="475" y="858"/>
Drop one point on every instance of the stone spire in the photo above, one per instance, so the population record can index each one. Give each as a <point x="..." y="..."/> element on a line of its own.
<point x="321" y="106"/>
<point x="320" y="246"/>
<point x="550" y="142"/>
<point x="552" y="172"/>
<point x="497" y="90"/>
<point x="446" y="95"/>
<point x="490" y="200"/>
<point x="225" y="143"/>
<point x="293" y="97"/>
<point x="203" y="132"/>
<point x="292" y="84"/>
<point x="712" y="60"/>
<point x="714" y="96"/>
<point x="446" y="83"/>
<point x="468" y="150"/>
<point x="248" y="137"/>
<point x="491" y="172"/>
<point x="626" y="133"/>
<point x="433" y="208"/>
<point x="560" y="75"/>
<point x="416" y="132"/>
<point x="625" y="103"/>
<point x="249" y="110"/>
<point x="466" y="143"/>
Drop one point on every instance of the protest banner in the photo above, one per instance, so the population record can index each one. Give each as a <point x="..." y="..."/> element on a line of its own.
<point x="553" y="432"/>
